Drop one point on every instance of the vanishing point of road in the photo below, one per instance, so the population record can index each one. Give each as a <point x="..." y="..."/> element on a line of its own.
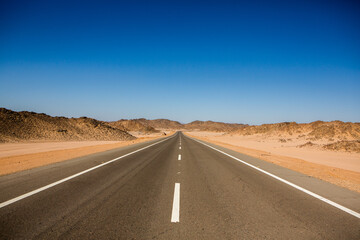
<point x="173" y="188"/>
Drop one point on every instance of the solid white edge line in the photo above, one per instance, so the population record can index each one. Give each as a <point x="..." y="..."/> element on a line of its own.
<point x="179" y="157"/>
<point x="176" y="204"/>
<point x="334" y="204"/>
<point x="6" y="203"/>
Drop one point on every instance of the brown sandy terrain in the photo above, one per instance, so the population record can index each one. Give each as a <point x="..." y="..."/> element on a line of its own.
<point x="338" y="167"/>
<point x="159" y="133"/>
<point x="30" y="126"/>
<point x="13" y="149"/>
<point x="335" y="135"/>
<point x="30" y="155"/>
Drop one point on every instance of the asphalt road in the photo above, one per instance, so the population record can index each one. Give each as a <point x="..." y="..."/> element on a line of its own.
<point x="171" y="191"/>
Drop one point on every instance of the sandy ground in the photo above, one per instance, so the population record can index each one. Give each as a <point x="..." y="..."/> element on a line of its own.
<point x="340" y="168"/>
<point x="16" y="157"/>
<point x="159" y="134"/>
<point x="13" y="149"/>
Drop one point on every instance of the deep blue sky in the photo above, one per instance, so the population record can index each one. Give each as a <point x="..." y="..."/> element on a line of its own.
<point x="247" y="62"/>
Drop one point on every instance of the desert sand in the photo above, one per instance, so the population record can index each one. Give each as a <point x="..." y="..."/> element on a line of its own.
<point x="161" y="133"/>
<point x="338" y="167"/>
<point x="13" y="149"/>
<point x="16" y="157"/>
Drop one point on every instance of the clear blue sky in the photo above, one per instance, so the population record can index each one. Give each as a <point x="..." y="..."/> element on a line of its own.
<point x="247" y="62"/>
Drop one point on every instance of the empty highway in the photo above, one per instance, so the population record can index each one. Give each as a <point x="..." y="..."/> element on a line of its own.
<point x="173" y="188"/>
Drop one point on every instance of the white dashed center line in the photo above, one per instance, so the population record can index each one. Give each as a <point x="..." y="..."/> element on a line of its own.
<point x="179" y="157"/>
<point x="176" y="204"/>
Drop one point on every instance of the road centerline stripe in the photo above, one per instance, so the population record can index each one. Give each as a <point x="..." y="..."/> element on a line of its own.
<point x="334" y="204"/>
<point x="179" y="157"/>
<point x="176" y="204"/>
<point x="13" y="200"/>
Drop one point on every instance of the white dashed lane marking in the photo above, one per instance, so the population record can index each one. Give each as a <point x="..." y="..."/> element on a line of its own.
<point x="176" y="204"/>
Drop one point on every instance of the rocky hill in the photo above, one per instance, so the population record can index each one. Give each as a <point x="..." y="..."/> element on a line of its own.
<point x="196" y="125"/>
<point x="314" y="131"/>
<point x="213" y="126"/>
<point x="162" y="124"/>
<point x="30" y="126"/>
<point x="138" y="125"/>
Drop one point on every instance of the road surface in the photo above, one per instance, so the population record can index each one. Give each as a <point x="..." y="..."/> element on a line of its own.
<point x="173" y="188"/>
